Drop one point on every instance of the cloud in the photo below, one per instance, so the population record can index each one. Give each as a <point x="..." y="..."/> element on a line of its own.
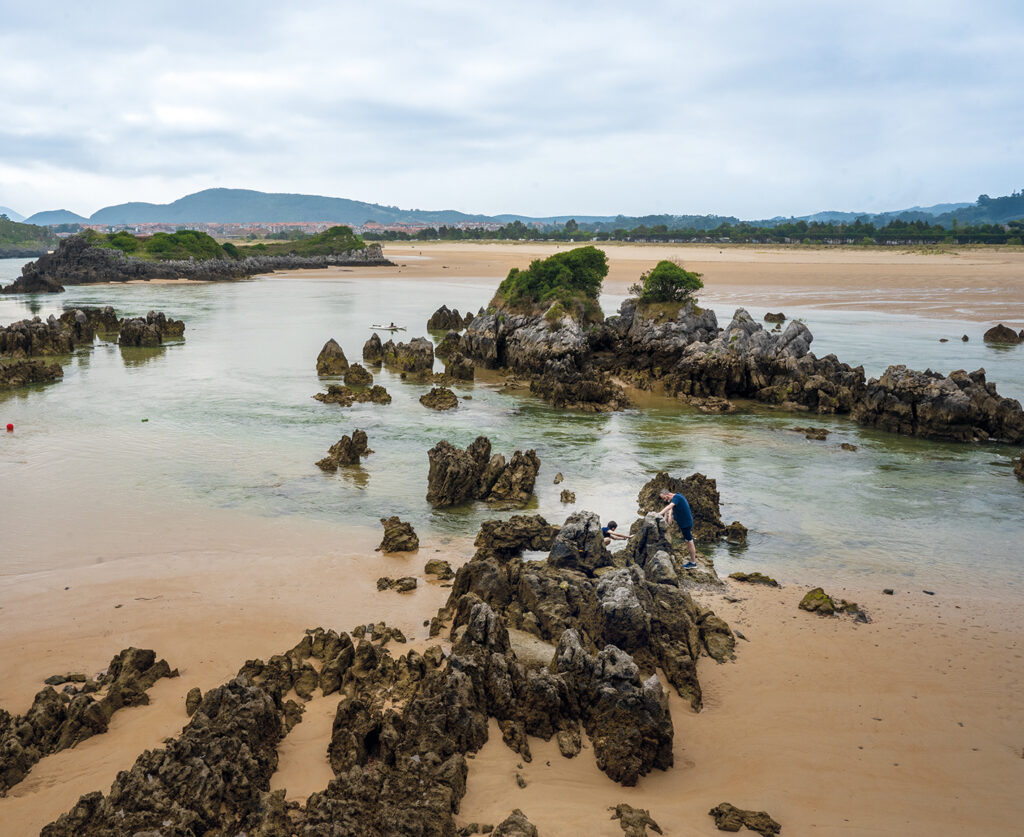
<point x="596" y="108"/>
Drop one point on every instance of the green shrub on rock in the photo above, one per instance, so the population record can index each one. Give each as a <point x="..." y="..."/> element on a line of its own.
<point x="667" y="282"/>
<point x="572" y="278"/>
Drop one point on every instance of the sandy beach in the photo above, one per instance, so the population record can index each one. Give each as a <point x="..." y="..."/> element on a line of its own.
<point x="910" y="724"/>
<point x="969" y="284"/>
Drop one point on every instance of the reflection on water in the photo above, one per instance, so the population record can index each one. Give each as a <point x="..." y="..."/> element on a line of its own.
<point x="226" y="421"/>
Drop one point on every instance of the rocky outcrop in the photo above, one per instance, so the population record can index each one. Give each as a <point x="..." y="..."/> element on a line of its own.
<point x="342" y="395"/>
<point x="730" y="818"/>
<point x="405" y="584"/>
<point x="820" y="602"/>
<point x="439" y="568"/>
<point x="634" y="821"/>
<point x="59" y="720"/>
<point x="960" y="406"/>
<point x="440" y="398"/>
<point x="775" y="318"/>
<point x="346" y="451"/>
<point x="449" y="345"/>
<point x="459" y="367"/>
<point x="78" y="262"/>
<point x="444" y="319"/>
<point x="701" y="493"/>
<point x="515" y="825"/>
<point x="373" y="350"/>
<point x="357" y="375"/>
<point x="656" y="622"/>
<point x="86" y="322"/>
<point x="398" y="536"/>
<point x="150" y="330"/>
<point x="16" y="373"/>
<point x="331" y="360"/>
<point x="458" y="476"/>
<point x="36" y="338"/>
<point x="416" y="356"/>
<point x="1002" y="334"/>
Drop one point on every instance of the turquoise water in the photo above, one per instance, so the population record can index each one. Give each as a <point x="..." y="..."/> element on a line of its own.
<point x="225" y="421"/>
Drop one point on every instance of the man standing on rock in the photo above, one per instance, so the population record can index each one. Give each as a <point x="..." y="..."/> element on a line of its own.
<point x="680" y="510"/>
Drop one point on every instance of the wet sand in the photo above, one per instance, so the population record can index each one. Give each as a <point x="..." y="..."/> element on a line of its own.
<point x="911" y="724"/>
<point x="968" y="284"/>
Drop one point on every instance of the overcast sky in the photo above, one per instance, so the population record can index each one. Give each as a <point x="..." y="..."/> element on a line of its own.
<point x="750" y="109"/>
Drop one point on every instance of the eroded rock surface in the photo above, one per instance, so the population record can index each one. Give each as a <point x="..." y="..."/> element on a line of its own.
<point x="701" y="493"/>
<point x="730" y="818"/>
<point x="346" y="451"/>
<point x="16" y="373"/>
<point x="820" y="602"/>
<point x="346" y="397"/>
<point x="634" y="821"/>
<point x="440" y="398"/>
<point x="331" y="360"/>
<point x="357" y="375"/>
<point x="1002" y="334"/>
<point x="373" y="350"/>
<point x="458" y="476"/>
<point x="416" y="356"/>
<point x="445" y="319"/>
<point x="398" y="536"/>
<point x="58" y="720"/>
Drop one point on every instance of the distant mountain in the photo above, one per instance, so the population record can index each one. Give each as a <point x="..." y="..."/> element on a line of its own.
<point x="55" y="216"/>
<point x="11" y="214"/>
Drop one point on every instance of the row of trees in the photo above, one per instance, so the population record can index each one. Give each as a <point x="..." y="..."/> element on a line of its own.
<point x="793" y="232"/>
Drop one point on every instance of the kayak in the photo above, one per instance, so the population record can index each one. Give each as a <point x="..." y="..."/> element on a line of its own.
<point x="387" y="328"/>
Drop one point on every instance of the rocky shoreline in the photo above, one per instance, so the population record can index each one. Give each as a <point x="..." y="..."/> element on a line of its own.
<point x="77" y="262"/>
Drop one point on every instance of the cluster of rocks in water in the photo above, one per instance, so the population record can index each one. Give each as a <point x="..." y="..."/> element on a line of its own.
<point x="440" y="398"/>
<point x="458" y="476"/>
<point x="24" y="343"/>
<point x="346" y="396"/>
<point x="78" y="262"/>
<point x="449" y="319"/>
<point x="346" y="451"/>
<point x="59" y="720"/>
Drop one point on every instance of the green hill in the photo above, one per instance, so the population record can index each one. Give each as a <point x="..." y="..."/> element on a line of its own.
<point x="332" y="242"/>
<point x="161" y="247"/>
<point x="15" y="236"/>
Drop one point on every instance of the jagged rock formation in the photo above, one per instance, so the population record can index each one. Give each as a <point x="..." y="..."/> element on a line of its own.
<point x="331" y="360"/>
<point x="775" y="318"/>
<point x="701" y="493"/>
<point x="459" y="367"/>
<point x="36" y="338"/>
<point x="553" y="353"/>
<point x="448" y="345"/>
<point x="416" y="356"/>
<point x="820" y="602"/>
<point x="1002" y="334"/>
<point x="398" y="536"/>
<point x="654" y="621"/>
<point x="730" y="818"/>
<point x="357" y="375"/>
<point x="88" y="321"/>
<point x="959" y="407"/>
<point x="439" y="568"/>
<point x="457" y="476"/>
<point x="405" y="584"/>
<point x="515" y="825"/>
<point x="149" y="330"/>
<point x="342" y="395"/>
<point x="440" y="398"/>
<point x="373" y="350"/>
<point x="192" y="700"/>
<point x="58" y="720"/>
<point x="444" y="319"/>
<point x="16" y="373"/>
<point x="77" y="262"/>
<point x="346" y="451"/>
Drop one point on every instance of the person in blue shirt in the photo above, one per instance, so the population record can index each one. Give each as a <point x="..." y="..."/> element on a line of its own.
<point x="680" y="511"/>
<point x="609" y="533"/>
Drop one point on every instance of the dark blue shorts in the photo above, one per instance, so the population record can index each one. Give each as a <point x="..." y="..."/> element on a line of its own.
<point x="687" y="533"/>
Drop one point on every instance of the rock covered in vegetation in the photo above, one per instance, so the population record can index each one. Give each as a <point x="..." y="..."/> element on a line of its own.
<point x="346" y="451"/>
<point x="445" y="319"/>
<point x="331" y="360"/>
<point x="398" y="536"/>
<point x="440" y="398"/>
<point x="346" y="397"/>
<point x="358" y="375"/>
<point x="416" y="356"/>
<point x="373" y="350"/>
<point x="16" y="373"/>
<point x="820" y="602"/>
<point x="960" y="406"/>
<point x="730" y="818"/>
<point x="457" y="476"/>
<point x="1002" y="334"/>
<point x="755" y="578"/>
<point x="59" y="720"/>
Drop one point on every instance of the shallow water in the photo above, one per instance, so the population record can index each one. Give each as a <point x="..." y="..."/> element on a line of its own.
<point x="222" y="427"/>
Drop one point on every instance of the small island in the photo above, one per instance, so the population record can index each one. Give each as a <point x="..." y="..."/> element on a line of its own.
<point x="91" y="257"/>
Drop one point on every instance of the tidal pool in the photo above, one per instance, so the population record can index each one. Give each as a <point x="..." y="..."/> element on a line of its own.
<point x="223" y="427"/>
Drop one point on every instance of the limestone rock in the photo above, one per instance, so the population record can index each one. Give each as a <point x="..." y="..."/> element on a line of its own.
<point x="440" y="398"/>
<point x="449" y="345"/>
<point x="398" y="536"/>
<point x="373" y="352"/>
<point x="579" y="545"/>
<point x="700" y="492"/>
<point x="346" y="451"/>
<point x="331" y="360"/>
<point x="735" y="533"/>
<point x="416" y="356"/>
<point x="444" y="319"/>
<point x="405" y="584"/>
<point x="459" y="367"/>
<point x="192" y="700"/>
<point x="567" y="496"/>
<point x="730" y="818"/>
<point x="820" y="602"/>
<point x="137" y="332"/>
<point x="818" y="434"/>
<point x="357" y="375"/>
<point x="440" y="568"/>
<point x="345" y="397"/>
<point x="16" y="373"/>
<point x="634" y="821"/>
<point x="456" y="476"/>
<point x="515" y="825"/>
<point x="1002" y="334"/>
<point x="775" y="318"/>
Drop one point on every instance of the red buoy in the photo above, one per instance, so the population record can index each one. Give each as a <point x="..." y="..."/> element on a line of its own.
<point x="10" y="428"/>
